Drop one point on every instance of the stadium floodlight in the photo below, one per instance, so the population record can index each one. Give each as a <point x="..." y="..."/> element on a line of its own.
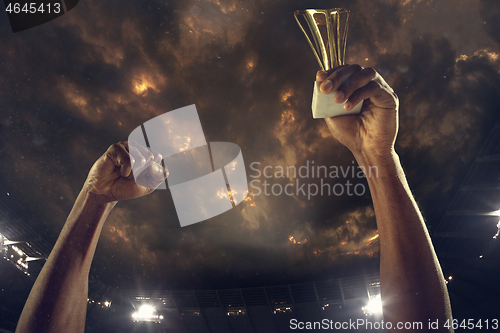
<point x="35" y="258"/>
<point x="146" y="312"/>
<point x="374" y="306"/>
<point x="8" y="242"/>
<point x="498" y="231"/>
<point x="18" y="250"/>
<point x="494" y="213"/>
<point x="5" y="241"/>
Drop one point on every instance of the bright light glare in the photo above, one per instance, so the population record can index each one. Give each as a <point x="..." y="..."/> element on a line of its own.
<point x="146" y="310"/>
<point x="374" y="306"/>
<point x="146" y="313"/>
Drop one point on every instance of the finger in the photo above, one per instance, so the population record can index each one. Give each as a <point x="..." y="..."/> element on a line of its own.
<point x="338" y="77"/>
<point x="152" y="177"/>
<point x="146" y="181"/>
<point x="378" y="94"/>
<point x="143" y="156"/>
<point x="120" y="157"/>
<point x="126" y="167"/>
<point x="144" y="151"/>
<point x="124" y="144"/>
<point x="158" y="172"/>
<point x="354" y="82"/>
<point x="157" y="157"/>
<point x="323" y="75"/>
<point x="153" y="156"/>
<point x="139" y="161"/>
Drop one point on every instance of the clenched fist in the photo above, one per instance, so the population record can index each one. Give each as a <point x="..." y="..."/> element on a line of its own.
<point x="111" y="175"/>
<point x="374" y="130"/>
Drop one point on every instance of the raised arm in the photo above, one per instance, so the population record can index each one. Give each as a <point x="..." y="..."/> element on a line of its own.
<point x="58" y="299"/>
<point x="412" y="283"/>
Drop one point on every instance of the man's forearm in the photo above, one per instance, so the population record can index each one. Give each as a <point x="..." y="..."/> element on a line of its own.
<point x="412" y="283"/>
<point x="58" y="299"/>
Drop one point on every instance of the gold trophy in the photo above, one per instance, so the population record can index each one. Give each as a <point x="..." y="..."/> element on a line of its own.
<point x="329" y="32"/>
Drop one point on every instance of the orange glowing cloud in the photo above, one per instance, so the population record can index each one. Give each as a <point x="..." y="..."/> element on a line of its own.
<point x="352" y="237"/>
<point x="145" y="81"/>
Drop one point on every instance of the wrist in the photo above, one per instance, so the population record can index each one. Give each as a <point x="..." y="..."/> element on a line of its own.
<point x="385" y="164"/>
<point x="97" y="200"/>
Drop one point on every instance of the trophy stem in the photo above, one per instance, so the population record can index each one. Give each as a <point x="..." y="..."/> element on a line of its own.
<point x="344" y="39"/>
<point x="312" y="28"/>
<point x="332" y="39"/>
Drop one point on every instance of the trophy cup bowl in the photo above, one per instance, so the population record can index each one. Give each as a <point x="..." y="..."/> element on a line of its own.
<point x="328" y="28"/>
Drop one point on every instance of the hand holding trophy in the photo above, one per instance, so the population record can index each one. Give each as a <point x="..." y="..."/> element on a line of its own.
<point x="329" y="31"/>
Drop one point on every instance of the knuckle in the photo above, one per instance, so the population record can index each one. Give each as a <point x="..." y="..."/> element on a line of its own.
<point x="355" y="67"/>
<point x="337" y="67"/>
<point x="339" y="71"/>
<point x="370" y="72"/>
<point x="113" y="147"/>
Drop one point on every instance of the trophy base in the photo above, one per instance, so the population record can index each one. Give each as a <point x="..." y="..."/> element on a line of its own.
<point x="323" y="105"/>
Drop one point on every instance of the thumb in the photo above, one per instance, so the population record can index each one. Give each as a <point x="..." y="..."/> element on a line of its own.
<point x="321" y="76"/>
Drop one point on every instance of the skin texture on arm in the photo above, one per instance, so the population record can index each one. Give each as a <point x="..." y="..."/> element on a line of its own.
<point x="412" y="283"/>
<point x="58" y="299"/>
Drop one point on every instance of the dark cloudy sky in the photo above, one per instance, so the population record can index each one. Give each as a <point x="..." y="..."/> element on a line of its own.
<point x="74" y="86"/>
